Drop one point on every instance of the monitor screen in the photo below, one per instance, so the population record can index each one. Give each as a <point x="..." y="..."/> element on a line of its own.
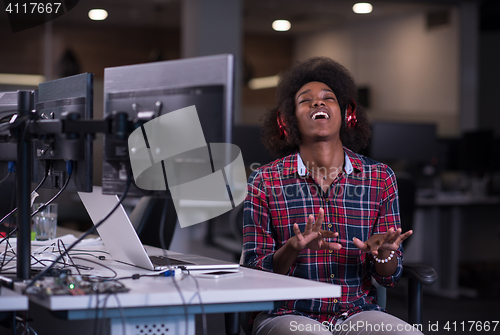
<point x="476" y="149"/>
<point x="8" y="154"/>
<point x="146" y="91"/>
<point x="8" y="108"/>
<point x="8" y="105"/>
<point x="248" y="139"/>
<point x="404" y="142"/>
<point x="66" y="98"/>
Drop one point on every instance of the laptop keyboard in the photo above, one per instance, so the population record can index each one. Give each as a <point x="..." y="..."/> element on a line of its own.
<point x="166" y="261"/>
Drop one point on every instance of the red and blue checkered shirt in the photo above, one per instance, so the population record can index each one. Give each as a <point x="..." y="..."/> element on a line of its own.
<point x="362" y="201"/>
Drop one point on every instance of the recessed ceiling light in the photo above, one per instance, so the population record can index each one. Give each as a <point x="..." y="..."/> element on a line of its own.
<point x="98" y="14"/>
<point x="282" y="25"/>
<point x="263" y="82"/>
<point x="21" y="79"/>
<point x="362" y="8"/>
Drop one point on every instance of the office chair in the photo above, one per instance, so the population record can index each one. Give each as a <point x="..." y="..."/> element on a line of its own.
<point x="147" y="217"/>
<point x="417" y="274"/>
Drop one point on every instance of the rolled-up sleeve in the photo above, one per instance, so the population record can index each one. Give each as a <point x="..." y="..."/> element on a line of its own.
<point x="388" y="217"/>
<point x="258" y="245"/>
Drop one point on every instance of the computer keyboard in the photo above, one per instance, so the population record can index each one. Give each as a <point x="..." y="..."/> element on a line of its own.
<point x="166" y="261"/>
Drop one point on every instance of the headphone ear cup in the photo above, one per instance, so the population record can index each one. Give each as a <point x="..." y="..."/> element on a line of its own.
<point x="350" y="115"/>
<point x="281" y="125"/>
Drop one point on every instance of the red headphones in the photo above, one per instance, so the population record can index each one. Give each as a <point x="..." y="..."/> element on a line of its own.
<point x="350" y="115"/>
<point x="281" y="124"/>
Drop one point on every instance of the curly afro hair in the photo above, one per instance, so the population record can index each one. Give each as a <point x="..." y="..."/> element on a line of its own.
<point x="323" y="70"/>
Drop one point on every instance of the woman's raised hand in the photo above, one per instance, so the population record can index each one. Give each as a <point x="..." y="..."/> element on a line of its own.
<point x="313" y="236"/>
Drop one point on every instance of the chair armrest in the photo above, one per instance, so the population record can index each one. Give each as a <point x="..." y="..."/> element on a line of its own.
<point x="422" y="273"/>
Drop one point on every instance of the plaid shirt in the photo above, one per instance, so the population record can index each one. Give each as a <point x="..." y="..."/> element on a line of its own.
<point x="362" y="201"/>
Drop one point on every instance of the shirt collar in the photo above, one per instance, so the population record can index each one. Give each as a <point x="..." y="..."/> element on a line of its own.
<point x="302" y="170"/>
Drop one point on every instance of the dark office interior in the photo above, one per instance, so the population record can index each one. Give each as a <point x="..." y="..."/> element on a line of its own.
<point x="427" y="74"/>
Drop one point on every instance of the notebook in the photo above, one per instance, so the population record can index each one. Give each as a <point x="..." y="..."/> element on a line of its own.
<point x="120" y="238"/>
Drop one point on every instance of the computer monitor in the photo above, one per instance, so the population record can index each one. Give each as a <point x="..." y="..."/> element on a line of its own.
<point x="248" y="139"/>
<point x="414" y="143"/>
<point x="67" y="98"/>
<point x="8" y="158"/>
<point x="476" y="149"/>
<point x="8" y="152"/>
<point x="145" y="91"/>
<point x="15" y="108"/>
<point x="8" y="105"/>
<point x="8" y="108"/>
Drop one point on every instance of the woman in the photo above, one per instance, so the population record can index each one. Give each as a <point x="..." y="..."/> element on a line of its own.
<point x="323" y="212"/>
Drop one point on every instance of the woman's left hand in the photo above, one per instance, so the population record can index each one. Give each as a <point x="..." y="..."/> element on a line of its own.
<point x="389" y="241"/>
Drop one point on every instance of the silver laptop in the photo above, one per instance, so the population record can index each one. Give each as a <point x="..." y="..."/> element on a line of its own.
<point x="120" y="238"/>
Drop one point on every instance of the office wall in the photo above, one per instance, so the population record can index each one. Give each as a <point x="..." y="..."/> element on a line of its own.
<point x="264" y="56"/>
<point x="412" y="71"/>
<point x="95" y="47"/>
<point x="21" y="52"/>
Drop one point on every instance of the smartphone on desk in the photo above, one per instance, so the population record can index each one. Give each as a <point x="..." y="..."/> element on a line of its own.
<point x="220" y="274"/>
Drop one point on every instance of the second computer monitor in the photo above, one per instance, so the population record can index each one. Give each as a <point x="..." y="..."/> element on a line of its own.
<point x="69" y="98"/>
<point x="145" y="91"/>
<point x="414" y="143"/>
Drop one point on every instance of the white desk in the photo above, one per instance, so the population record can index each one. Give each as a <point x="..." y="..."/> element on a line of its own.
<point x="11" y="301"/>
<point x="441" y="235"/>
<point x="154" y="301"/>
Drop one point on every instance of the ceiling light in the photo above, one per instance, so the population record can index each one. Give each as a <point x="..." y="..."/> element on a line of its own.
<point x="282" y="25"/>
<point x="362" y="8"/>
<point x="98" y="14"/>
<point x="263" y="82"/>
<point x="21" y="79"/>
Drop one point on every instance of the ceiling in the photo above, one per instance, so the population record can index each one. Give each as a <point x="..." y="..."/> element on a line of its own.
<point x="305" y="15"/>
<point x="324" y="14"/>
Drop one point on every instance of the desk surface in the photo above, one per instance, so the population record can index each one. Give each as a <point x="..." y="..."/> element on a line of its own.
<point x="12" y="301"/>
<point x="252" y="287"/>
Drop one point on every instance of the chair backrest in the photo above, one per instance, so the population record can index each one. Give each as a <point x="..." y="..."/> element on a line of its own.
<point x="406" y="190"/>
<point x="147" y="218"/>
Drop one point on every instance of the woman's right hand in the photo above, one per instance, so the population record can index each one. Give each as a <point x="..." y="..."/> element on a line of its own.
<point x="313" y="237"/>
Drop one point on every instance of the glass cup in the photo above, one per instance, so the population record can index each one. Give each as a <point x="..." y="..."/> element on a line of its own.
<point x="45" y="222"/>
